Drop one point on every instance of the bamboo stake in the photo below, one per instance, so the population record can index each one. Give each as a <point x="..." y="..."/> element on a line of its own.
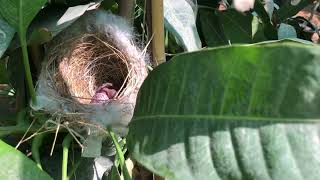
<point x="158" y="52"/>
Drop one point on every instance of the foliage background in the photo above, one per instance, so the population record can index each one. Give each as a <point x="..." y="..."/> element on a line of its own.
<point x="184" y="140"/>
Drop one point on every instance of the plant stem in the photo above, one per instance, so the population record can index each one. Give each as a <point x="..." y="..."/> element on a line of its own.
<point x="73" y="170"/>
<point x="158" y="51"/>
<point x="36" y="144"/>
<point x="22" y="117"/>
<point x="126" y="9"/>
<point x="16" y="129"/>
<point x="120" y="155"/>
<point x="23" y="42"/>
<point x="65" y="145"/>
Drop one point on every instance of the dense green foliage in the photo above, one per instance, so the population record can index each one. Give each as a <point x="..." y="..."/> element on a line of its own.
<point x="230" y="109"/>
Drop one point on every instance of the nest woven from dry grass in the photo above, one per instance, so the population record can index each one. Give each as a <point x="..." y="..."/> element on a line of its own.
<point x="98" y="48"/>
<point x="89" y="64"/>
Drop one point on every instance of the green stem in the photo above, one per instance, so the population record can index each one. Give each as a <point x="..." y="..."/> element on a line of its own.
<point x="22" y="118"/>
<point x="6" y="130"/>
<point x="65" y="145"/>
<point x="23" y="42"/>
<point x="120" y="155"/>
<point x="36" y="144"/>
<point x="73" y="170"/>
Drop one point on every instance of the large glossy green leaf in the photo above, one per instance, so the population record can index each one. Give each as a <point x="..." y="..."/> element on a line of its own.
<point x="239" y="112"/>
<point x="16" y="166"/>
<point x="20" y="13"/>
<point x="180" y="20"/>
<point x="6" y="35"/>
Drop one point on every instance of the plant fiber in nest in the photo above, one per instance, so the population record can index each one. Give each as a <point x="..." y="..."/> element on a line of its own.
<point x="96" y="50"/>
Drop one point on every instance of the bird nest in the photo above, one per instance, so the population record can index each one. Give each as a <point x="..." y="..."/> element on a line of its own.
<point x="92" y="72"/>
<point x="89" y="64"/>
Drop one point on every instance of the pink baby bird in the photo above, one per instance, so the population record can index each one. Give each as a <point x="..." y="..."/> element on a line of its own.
<point x="103" y="94"/>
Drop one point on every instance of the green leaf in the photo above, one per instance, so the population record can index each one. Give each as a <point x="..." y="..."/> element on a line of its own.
<point x="6" y="35"/>
<point x="120" y="155"/>
<point x="112" y="5"/>
<point x="44" y="25"/>
<point x="239" y="112"/>
<point x="257" y="30"/>
<point x="229" y="27"/>
<point x="291" y="8"/>
<point x="179" y="19"/>
<point x="269" y="7"/>
<point x="40" y="36"/>
<point x="269" y="29"/>
<point x="16" y="166"/>
<point x="20" y="13"/>
<point x="211" y="27"/>
<point x="48" y="19"/>
<point x="236" y="26"/>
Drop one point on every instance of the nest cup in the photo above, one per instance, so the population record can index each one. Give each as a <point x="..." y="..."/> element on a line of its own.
<point x="98" y="48"/>
<point x="90" y="63"/>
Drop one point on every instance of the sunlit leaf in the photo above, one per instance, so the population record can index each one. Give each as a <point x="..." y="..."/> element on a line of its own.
<point x="239" y="112"/>
<point x="16" y="166"/>
<point x="180" y="20"/>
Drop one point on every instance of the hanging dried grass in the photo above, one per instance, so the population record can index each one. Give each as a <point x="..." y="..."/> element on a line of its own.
<point x="98" y="50"/>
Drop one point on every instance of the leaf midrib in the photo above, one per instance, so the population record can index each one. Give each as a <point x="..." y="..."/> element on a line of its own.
<point x="223" y="117"/>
